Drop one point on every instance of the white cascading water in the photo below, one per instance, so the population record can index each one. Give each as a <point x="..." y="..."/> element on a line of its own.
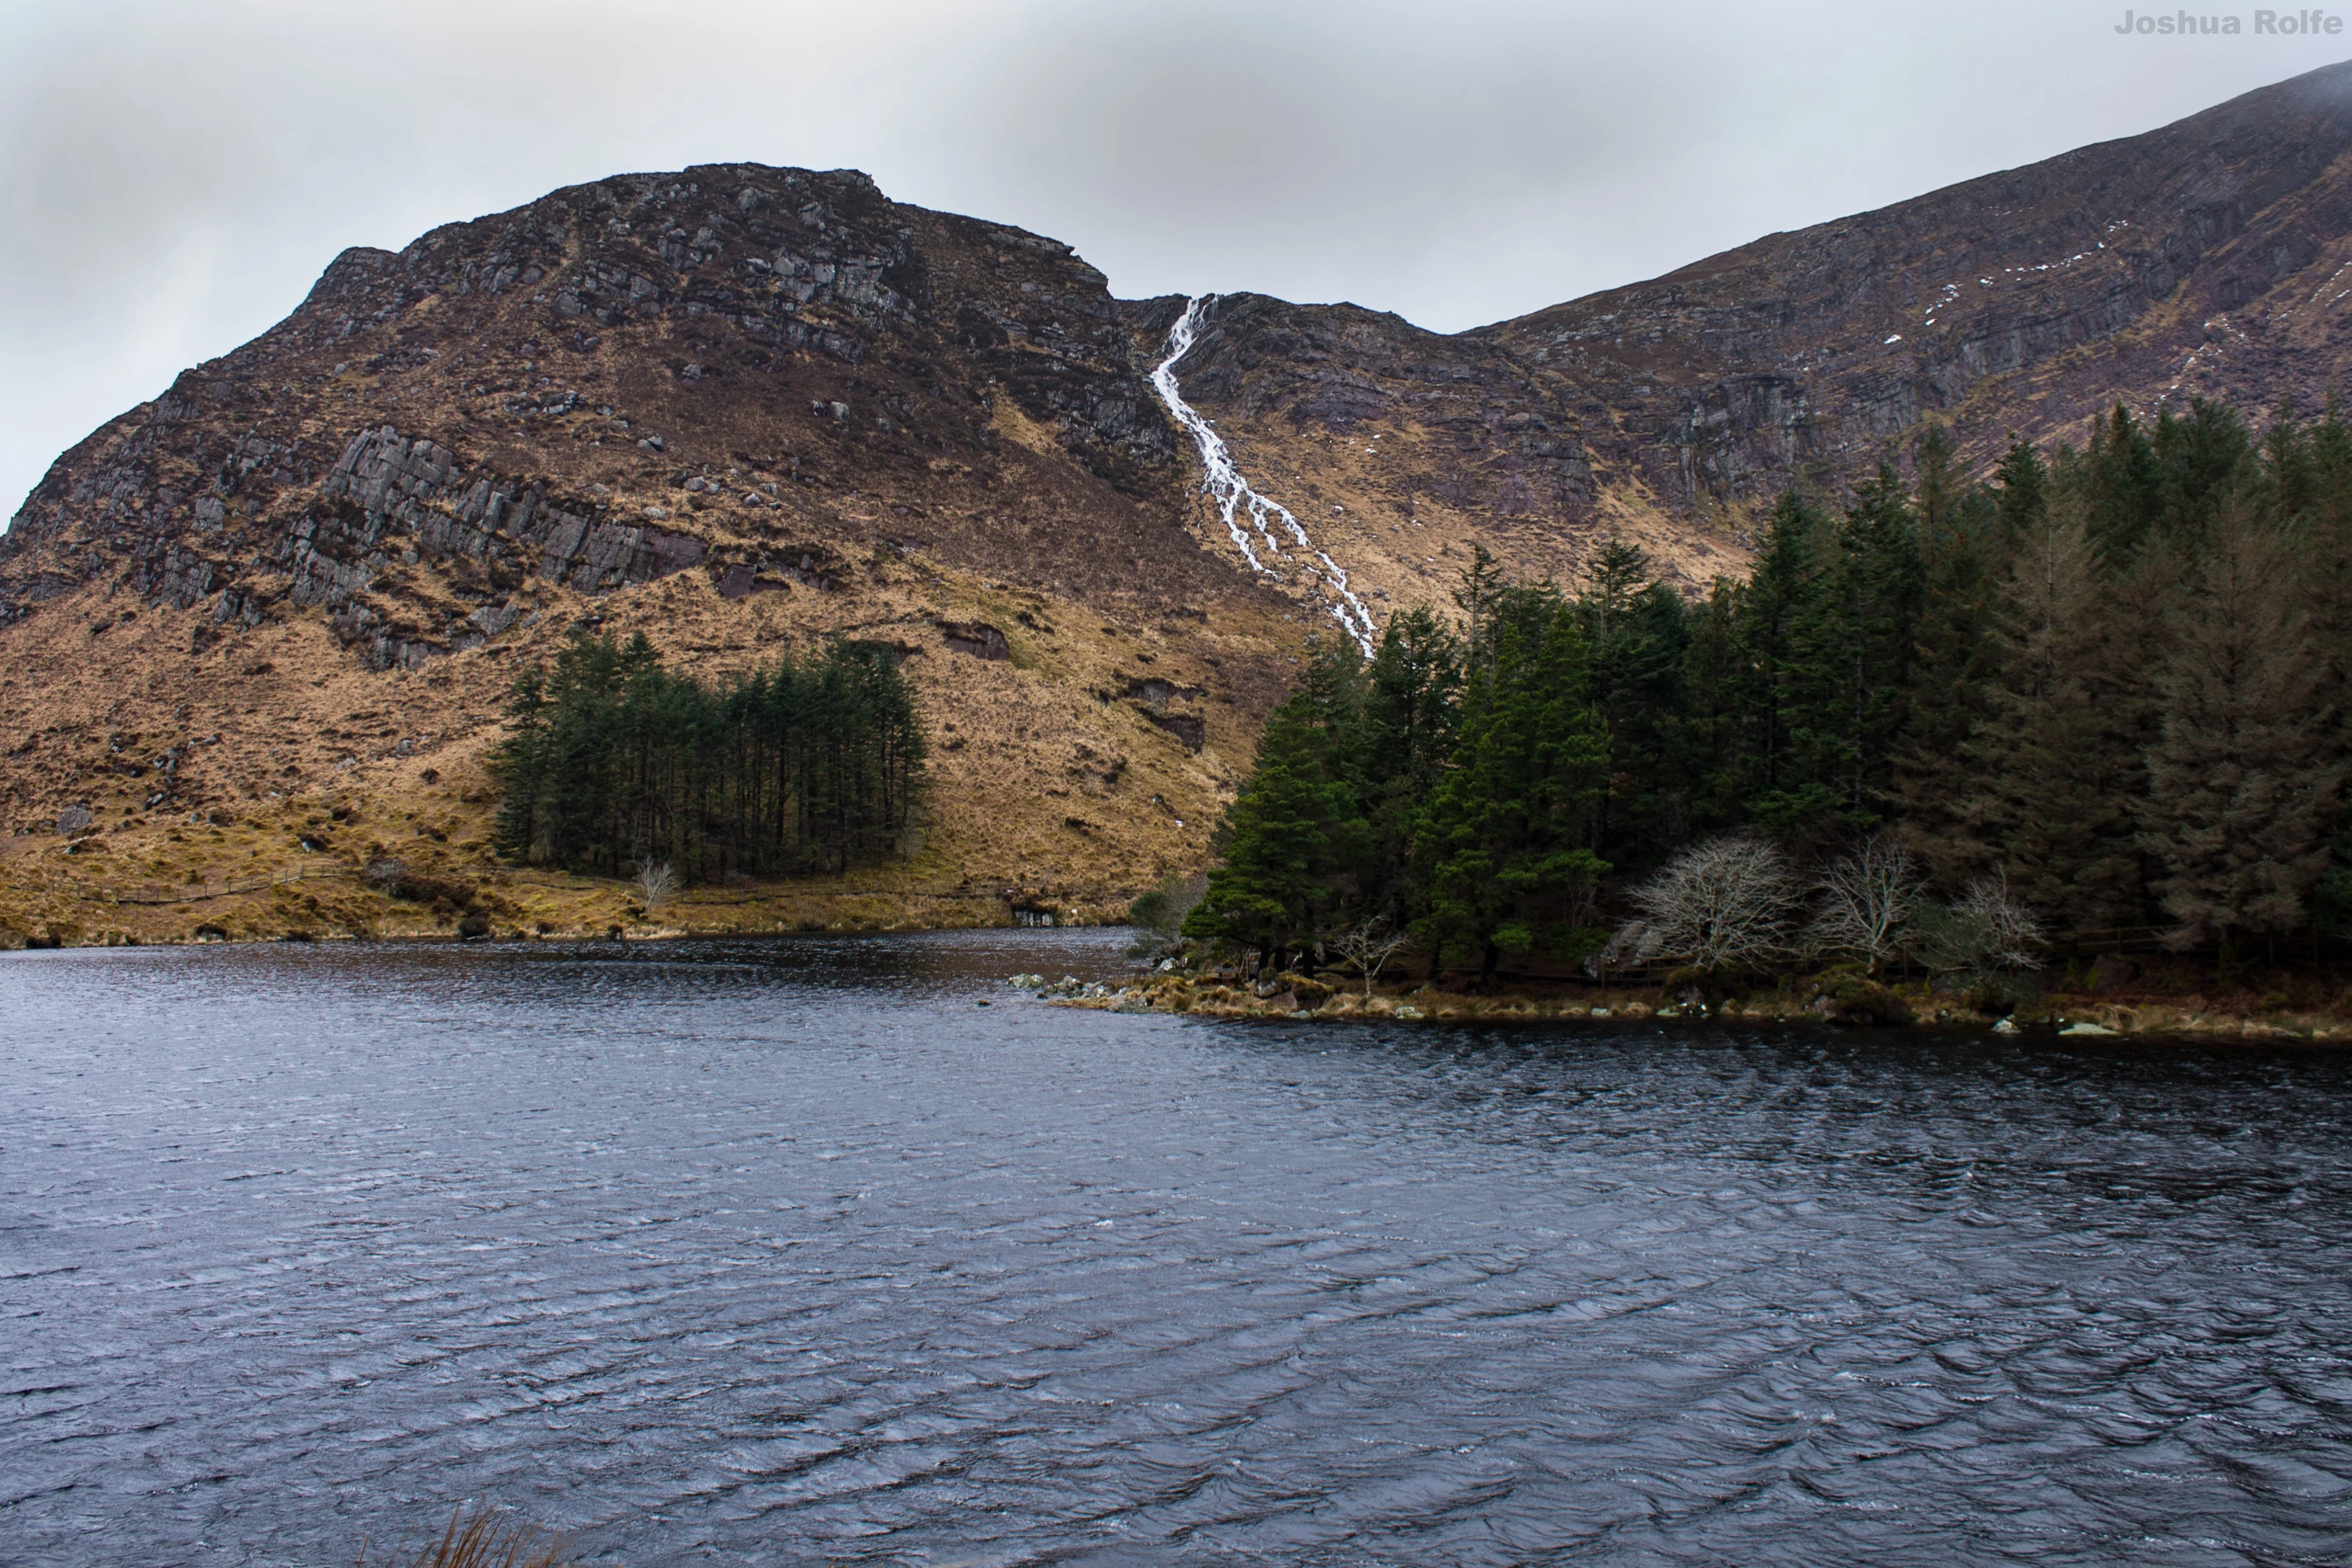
<point x="1234" y="495"/>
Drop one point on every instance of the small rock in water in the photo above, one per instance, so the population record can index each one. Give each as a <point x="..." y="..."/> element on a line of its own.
<point x="1601" y="1011"/>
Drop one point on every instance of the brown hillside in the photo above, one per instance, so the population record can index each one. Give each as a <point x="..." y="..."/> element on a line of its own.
<point x="742" y="408"/>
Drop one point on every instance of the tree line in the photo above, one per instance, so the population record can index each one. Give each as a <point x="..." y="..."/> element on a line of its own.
<point x="613" y="764"/>
<point x="2105" y="690"/>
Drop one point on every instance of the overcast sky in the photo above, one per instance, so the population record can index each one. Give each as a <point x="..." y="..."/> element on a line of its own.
<point x="176" y="175"/>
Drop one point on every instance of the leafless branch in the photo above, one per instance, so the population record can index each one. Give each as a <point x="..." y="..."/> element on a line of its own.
<point x="1868" y="898"/>
<point x="656" y="882"/>
<point x="1723" y="904"/>
<point x="1368" y="946"/>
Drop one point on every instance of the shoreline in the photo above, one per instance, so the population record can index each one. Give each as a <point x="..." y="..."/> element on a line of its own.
<point x="2055" y="1016"/>
<point x="341" y="904"/>
<point x="591" y="911"/>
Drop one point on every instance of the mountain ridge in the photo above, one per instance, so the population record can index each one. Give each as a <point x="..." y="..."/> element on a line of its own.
<point x="743" y="408"/>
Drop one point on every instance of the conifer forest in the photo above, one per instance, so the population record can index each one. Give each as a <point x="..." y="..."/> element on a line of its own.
<point x="2094" y="698"/>
<point x="613" y="763"/>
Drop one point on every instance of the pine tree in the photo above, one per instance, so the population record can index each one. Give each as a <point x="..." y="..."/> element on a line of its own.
<point x="613" y="763"/>
<point x="2238" y="808"/>
<point x="2314" y="482"/>
<point x="2059" y="766"/>
<point x="1708" y="759"/>
<point x="2122" y="487"/>
<point x="519" y="761"/>
<point x="1639" y="639"/>
<point x="1789" y="668"/>
<point x="1872" y="608"/>
<point x="1962" y="535"/>
<point x="1504" y="840"/>
<point x="2120" y="676"/>
<point x="2022" y="493"/>
<point x="1405" y="735"/>
<point x="1293" y="843"/>
<point x="2313" y="474"/>
<point x="2199" y="460"/>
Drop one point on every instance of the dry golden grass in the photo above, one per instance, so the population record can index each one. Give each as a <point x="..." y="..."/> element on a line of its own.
<point x="488" y="1540"/>
<point x="1050" y="783"/>
<point x="1404" y="546"/>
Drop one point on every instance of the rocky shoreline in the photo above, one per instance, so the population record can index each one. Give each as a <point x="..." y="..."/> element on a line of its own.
<point x="1295" y="999"/>
<point x="600" y="912"/>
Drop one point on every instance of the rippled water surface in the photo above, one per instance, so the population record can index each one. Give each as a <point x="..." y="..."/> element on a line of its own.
<point x="790" y="1252"/>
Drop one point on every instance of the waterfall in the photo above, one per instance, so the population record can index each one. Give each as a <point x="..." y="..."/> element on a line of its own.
<point x="1236" y="496"/>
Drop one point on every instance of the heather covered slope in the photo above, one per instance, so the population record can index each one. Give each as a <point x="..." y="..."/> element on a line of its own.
<point x="739" y="407"/>
<point x="735" y="408"/>
<point x="2204" y="258"/>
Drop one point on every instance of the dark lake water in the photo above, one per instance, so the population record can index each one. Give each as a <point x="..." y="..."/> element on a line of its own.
<point x="788" y="1252"/>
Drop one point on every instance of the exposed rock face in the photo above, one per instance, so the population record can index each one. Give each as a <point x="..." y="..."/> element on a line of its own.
<point x="978" y="639"/>
<point x="436" y="401"/>
<point x="741" y="409"/>
<point x="1501" y="441"/>
<point x="813" y="336"/>
<point x="2189" y="260"/>
<point x="2205" y="258"/>
<point x="738" y="406"/>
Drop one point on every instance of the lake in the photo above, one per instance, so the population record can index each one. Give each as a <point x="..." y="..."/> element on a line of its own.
<point x="789" y="1251"/>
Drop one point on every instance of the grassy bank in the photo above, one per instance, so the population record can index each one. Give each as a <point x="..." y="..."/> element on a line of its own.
<point x="252" y="879"/>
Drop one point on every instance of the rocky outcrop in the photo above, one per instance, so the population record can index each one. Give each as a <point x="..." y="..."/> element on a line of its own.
<point x="975" y="639"/>
<point x="555" y="390"/>
<point x="555" y="393"/>
<point x="738" y="406"/>
<point x="2178" y="263"/>
<point x="2194" y="260"/>
<point x="1501" y="441"/>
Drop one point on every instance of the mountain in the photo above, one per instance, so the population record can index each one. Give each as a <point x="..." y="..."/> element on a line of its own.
<point x="2208" y="259"/>
<point x="743" y="409"/>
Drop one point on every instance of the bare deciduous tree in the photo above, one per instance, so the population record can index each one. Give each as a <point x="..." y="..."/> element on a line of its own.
<point x="1719" y="905"/>
<point x="1369" y="945"/>
<point x="1985" y="930"/>
<point x="656" y="882"/>
<point x="1867" y="900"/>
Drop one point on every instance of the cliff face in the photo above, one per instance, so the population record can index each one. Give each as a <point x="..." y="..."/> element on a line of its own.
<point x="741" y="407"/>
<point x="564" y="392"/>
<point x="2206" y="258"/>
<point x="2199" y="259"/>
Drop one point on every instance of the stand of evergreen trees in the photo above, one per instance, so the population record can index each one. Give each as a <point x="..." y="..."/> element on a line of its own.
<point x="2118" y="678"/>
<point x="611" y="763"/>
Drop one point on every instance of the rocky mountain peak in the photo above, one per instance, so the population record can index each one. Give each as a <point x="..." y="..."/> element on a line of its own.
<point x="745" y="408"/>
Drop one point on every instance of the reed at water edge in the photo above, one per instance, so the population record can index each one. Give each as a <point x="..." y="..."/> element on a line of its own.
<point x="488" y="1540"/>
